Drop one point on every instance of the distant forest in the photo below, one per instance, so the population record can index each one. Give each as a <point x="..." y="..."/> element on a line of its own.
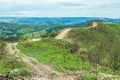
<point x="14" y="31"/>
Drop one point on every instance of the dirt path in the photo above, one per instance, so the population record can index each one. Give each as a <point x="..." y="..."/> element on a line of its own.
<point x="35" y="39"/>
<point x="41" y="71"/>
<point x="63" y="33"/>
<point x="94" y="25"/>
<point x="12" y="49"/>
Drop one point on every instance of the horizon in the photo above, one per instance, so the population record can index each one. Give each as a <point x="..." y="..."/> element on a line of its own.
<point x="55" y="17"/>
<point x="60" y="8"/>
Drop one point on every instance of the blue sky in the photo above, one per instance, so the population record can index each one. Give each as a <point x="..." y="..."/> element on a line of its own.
<point x="60" y="8"/>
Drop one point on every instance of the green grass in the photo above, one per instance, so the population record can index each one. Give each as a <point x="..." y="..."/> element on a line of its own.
<point x="9" y="62"/>
<point x="89" y="76"/>
<point x="103" y="40"/>
<point x="52" y="51"/>
<point x="23" y="72"/>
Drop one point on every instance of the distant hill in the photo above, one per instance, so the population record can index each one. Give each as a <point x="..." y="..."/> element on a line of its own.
<point x="15" y="31"/>
<point x="26" y="27"/>
<point x="53" y="20"/>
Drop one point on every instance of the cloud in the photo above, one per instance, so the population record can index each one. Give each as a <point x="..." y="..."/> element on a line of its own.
<point x="58" y="8"/>
<point x="19" y="13"/>
<point x="68" y="4"/>
<point x="112" y="5"/>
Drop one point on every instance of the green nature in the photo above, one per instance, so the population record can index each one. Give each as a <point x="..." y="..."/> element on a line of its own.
<point x="91" y="52"/>
<point x="15" y="31"/>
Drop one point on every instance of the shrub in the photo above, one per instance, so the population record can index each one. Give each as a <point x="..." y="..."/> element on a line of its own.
<point x="73" y="47"/>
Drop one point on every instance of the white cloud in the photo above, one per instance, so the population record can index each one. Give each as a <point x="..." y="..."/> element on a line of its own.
<point x="101" y="8"/>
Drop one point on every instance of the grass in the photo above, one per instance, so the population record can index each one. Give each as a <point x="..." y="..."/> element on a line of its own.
<point x="103" y="40"/>
<point x="89" y="76"/>
<point x="20" y="73"/>
<point x="33" y="62"/>
<point x="9" y="62"/>
<point x="52" y="51"/>
<point x="48" y="52"/>
<point x="57" y="52"/>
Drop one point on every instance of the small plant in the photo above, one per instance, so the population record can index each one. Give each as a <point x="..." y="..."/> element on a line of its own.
<point x="33" y="62"/>
<point x="17" y="73"/>
<point x="89" y="76"/>
<point x="106" y="79"/>
<point x="53" y="74"/>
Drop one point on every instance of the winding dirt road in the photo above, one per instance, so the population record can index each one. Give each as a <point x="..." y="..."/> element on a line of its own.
<point x="63" y="33"/>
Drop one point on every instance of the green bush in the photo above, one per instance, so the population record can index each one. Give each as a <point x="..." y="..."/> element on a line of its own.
<point x="53" y="74"/>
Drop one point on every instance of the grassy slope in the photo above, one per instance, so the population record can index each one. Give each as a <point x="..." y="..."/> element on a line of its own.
<point x="14" y="31"/>
<point x="53" y="51"/>
<point x="104" y="40"/>
<point x="50" y="51"/>
<point x="10" y="62"/>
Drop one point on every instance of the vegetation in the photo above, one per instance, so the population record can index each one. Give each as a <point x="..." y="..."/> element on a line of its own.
<point x="24" y="72"/>
<point x="2" y="49"/>
<point x="99" y="45"/>
<point x="14" y="31"/>
<point x="89" y="51"/>
<point x="10" y="62"/>
<point x="56" y="52"/>
<point x="89" y="76"/>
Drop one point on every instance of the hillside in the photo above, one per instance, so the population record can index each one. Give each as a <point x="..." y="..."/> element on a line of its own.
<point x="15" y="31"/>
<point x="86" y="53"/>
<point x="99" y="44"/>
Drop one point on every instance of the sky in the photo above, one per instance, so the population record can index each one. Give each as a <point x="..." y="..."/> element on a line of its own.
<point x="60" y="8"/>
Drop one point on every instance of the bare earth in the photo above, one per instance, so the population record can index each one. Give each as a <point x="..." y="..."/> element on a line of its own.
<point x="94" y="25"/>
<point x="63" y="33"/>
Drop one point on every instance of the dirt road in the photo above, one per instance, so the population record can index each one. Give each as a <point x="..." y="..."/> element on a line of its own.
<point x="63" y="33"/>
<point x="94" y="25"/>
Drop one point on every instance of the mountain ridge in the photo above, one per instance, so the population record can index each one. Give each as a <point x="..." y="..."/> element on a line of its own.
<point x="54" y="20"/>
